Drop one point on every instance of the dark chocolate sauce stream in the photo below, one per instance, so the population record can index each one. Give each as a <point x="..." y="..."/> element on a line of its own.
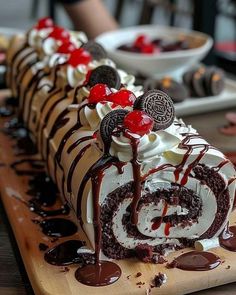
<point x="228" y="238"/>
<point x="102" y="272"/>
<point x="197" y="261"/>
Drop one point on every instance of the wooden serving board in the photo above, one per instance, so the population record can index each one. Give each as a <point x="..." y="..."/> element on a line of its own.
<point x="53" y="280"/>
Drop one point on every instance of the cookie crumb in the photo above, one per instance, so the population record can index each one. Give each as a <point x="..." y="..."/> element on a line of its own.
<point x="159" y="280"/>
<point x="228" y="267"/>
<point x="128" y="277"/>
<point x="43" y="247"/>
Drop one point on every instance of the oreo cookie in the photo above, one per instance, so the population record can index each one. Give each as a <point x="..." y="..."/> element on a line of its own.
<point x="176" y="91"/>
<point x="214" y="81"/>
<point x="159" y="106"/>
<point x="95" y="49"/>
<point x="108" y="124"/>
<point x="198" y="79"/>
<point x="150" y="84"/>
<point x="105" y="75"/>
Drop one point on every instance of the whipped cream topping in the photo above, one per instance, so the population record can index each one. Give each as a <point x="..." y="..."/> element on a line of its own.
<point x="150" y="146"/>
<point x="36" y="37"/>
<point x="128" y="81"/>
<point x="76" y="75"/>
<point x="92" y="117"/>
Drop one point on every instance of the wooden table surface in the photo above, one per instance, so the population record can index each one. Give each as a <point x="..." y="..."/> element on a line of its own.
<point x="13" y="278"/>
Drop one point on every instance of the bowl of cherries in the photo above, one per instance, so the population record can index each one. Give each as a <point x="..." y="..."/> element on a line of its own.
<point x="153" y="50"/>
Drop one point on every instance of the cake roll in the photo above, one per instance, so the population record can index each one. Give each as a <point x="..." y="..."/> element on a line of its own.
<point x="135" y="176"/>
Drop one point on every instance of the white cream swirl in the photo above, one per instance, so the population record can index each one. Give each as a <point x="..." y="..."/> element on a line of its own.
<point x="36" y="37"/>
<point x="76" y="75"/>
<point x="92" y="117"/>
<point x="150" y="146"/>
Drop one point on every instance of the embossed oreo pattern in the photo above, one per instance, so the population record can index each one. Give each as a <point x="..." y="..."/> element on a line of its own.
<point x="159" y="106"/>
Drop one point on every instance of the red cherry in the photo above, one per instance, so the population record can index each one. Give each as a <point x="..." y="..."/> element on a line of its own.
<point x="140" y="41"/>
<point x="65" y="48"/>
<point x="79" y="56"/>
<point x="60" y="33"/>
<point x="148" y="48"/>
<point x="123" y="98"/>
<point x="45" y="22"/>
<point x="138" y="122"/>
<point x="98" y="93"/>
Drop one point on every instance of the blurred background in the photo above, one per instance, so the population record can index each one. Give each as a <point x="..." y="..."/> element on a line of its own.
<point x="214" y="17"/>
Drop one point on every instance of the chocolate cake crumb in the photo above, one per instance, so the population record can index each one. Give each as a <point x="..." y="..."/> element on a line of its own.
<point x="228" y="267"/>
<point x="138" y="274"/>
<point x="53" y="240"/>
<point x="36" y="221"/>
<point x="140" y="283"/>
<point x="144" y="252"/>
<point x="128" y="277"/>
<point x="43" y="247"/>
<point x="159" y="280"/>
<point x="64" y="269"/>
<point x="172" y="264"/>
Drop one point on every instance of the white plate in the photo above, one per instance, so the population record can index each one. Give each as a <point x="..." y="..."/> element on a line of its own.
<point x="225" y="100"/>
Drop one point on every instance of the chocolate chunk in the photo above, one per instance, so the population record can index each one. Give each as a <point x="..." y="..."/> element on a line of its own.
<point x="108" y="124"/>
<point x="95" y="49"/>
<point x="159" y="106"/>
<point x="105" y="75"/>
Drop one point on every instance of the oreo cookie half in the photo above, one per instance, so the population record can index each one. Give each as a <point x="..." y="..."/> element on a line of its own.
<point x="176" y="91"/>
<point x="159" y="106"/>
<point x="198" y="84"/>
<point x="214" y="81"/>
<point x="108" y="124"/>
<point x="105" y="75"/>
<point x="95" y="49"/>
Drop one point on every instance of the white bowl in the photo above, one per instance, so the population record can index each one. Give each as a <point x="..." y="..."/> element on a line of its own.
<point x="158" y="64"/>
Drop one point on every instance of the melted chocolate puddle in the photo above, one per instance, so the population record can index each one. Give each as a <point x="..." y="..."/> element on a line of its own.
<point x="196" y="261"/>
<point x="42" y="189"/>
<point x="65" y="253"/>
<point x="99" y="274"/>
<point x="6" y="112"/>
<point x="58" y="227"/>
<point x="37" y="209"/>
<point x="228" y="239"/>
